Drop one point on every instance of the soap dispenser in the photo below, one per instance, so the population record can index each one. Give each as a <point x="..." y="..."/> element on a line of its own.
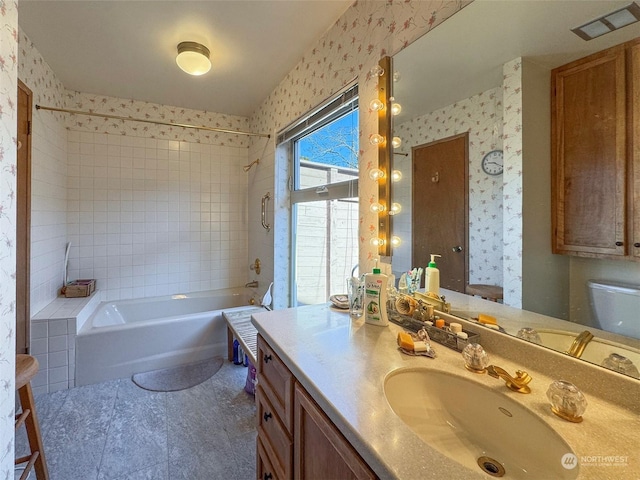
<point x="375" y="298"/>
<point x="432" y="283"/>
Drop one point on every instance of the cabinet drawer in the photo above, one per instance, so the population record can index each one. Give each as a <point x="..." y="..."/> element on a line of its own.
<point x="277" y="381"/>
<point x="264" y="469"/>
<point x="273" y="435"/>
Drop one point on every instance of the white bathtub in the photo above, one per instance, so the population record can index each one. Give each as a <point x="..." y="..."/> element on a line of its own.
<point x="132" y="336"/>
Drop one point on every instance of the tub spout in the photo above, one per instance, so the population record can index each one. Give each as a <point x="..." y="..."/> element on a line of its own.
<point x="253" y="284"/>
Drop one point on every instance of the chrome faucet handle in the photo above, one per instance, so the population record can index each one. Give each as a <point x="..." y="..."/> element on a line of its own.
<point x="567" y="401"/>
<point x="475" y="358"/>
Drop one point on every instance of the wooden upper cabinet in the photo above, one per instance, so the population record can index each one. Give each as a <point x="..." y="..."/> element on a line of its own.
<point x="590" y="154"/>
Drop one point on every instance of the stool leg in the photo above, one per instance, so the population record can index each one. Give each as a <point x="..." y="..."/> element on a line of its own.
<point x="33" y="431"/>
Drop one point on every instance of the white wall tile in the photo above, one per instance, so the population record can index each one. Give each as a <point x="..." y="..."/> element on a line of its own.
<point x="39" y="346"/>
<point x="58" y="375"/>
<point x="58" y="343"/>
<point x="58" y="359"/>
<point x="57" y="327"/>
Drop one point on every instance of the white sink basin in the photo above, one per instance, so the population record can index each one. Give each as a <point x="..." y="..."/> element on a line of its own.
<point x="476" y="426"/>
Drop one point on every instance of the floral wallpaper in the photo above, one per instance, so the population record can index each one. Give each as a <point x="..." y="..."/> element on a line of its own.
<point x="8" y="165"/>
<point x="366" y="32"/>
<point x="512" y="218"/>
<point x="481" y="116"/>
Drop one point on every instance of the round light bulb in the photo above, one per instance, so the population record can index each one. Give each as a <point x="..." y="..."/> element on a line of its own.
<point x="396" y="76"/>
<point x="376" y="139"/>
<point x="396" y="241"/>
<point x="377" y="71"/>
<point x="396" y="142"/>
<point x="376" y="174"/>
<point x="377" y="207"/>
<point x="376" y="105"/>
<point x="376" y="242"/>
<point x="396" y="176"/>
<point x="396" y="108"/>
<point x="395" y="209"/>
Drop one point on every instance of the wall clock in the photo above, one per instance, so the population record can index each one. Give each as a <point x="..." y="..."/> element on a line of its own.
<point x="492" y="162"/>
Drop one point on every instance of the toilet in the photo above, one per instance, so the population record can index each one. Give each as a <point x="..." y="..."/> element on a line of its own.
<point x="615" y="306"/>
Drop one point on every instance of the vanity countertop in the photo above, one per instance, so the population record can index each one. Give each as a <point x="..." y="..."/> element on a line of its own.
<point x="342" y="363"/>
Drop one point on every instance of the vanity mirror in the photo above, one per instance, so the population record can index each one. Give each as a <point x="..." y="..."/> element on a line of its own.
<point x="492" y="82"/>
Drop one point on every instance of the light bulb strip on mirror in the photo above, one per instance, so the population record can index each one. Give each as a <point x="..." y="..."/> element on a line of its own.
<point x="384" y="158"/>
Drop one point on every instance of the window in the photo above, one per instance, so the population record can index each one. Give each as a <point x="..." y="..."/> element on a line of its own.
<point x="323" y="150"/>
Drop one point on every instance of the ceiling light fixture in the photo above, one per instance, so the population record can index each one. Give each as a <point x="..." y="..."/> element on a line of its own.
<point x="193" y="58"/>
<point x="609" y="22"/>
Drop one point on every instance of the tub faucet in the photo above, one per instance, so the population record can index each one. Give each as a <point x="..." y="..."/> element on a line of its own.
<point x="579" y="344"/>
<point x="253" y="284"/>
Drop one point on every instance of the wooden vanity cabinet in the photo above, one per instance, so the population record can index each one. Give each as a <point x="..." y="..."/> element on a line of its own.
<point x="274" y="401"/>
<point x="595" y="110"/>
<point x="309" y="446"/>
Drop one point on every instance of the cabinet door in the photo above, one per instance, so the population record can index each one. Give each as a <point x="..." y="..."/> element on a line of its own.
<point x="264" y="468"/>
<point x="320" y="450"/>
<point x="589" y="138"/>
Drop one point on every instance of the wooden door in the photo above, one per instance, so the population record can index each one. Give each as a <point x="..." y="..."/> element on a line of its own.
<point x="440" y="208"/>
<point x="589" y="138"/>
<point x="23" y="227"/>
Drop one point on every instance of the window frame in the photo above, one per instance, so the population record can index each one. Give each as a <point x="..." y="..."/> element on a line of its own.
<point x="335" y="107"/>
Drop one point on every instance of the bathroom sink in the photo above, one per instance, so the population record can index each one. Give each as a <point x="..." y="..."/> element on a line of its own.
<point x="483" y="429"/>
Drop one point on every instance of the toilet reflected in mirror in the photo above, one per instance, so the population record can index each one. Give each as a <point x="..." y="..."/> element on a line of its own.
<point x="615" y="307"/>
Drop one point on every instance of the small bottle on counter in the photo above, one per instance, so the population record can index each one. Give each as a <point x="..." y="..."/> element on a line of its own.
<point x="375" y="298"/>
<point x="432" y="281"/>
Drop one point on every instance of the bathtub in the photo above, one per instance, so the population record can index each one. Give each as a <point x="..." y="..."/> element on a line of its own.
<point x="131" y="336"/>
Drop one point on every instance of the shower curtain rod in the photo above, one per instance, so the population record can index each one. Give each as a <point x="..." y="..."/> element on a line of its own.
<point x="157" y="122"/>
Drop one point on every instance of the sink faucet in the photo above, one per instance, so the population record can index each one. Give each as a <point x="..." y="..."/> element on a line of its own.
<point x="519" y="383"/>
<point x="253" y="284"/>
<point x="579" y="344"/>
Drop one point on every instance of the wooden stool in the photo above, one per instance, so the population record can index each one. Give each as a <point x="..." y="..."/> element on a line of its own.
<point x="26" y="368"/>
<point x="488" y="292"/>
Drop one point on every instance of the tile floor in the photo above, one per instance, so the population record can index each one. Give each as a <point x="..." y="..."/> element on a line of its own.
<point x="118" y="431"/>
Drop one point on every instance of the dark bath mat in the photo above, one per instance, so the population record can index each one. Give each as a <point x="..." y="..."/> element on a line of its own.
<point x="178" y="378"/>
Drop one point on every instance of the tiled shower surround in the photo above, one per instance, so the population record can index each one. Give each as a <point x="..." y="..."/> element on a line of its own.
<point x="152" y="217"/>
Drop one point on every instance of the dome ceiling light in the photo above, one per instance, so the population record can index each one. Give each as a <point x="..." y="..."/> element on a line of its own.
<point x="193" y="58"/>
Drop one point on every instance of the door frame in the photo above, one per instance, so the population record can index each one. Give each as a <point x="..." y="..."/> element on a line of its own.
<point x="23" y="227"/>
